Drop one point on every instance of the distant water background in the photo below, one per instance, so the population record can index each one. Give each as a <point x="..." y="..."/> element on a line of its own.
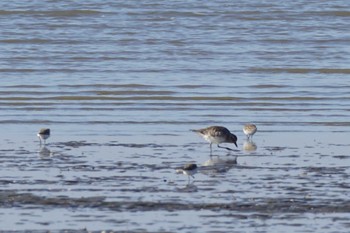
<point x="120" y="83"/>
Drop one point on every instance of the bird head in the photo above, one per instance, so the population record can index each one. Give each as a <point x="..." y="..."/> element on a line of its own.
<point x="234" y="139"/>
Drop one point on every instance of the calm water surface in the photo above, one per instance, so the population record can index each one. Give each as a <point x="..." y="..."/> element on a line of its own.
<point x="121" y="83"/>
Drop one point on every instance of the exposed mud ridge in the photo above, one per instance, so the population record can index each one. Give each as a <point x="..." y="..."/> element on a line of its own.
<point x="77" y="144"/>
<point x="277" y="205"/>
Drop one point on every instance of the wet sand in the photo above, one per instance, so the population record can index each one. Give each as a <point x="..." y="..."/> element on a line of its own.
<point x="118" y="180"/>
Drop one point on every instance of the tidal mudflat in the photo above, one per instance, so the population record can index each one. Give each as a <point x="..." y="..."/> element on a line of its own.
<point x="82" y="185"/>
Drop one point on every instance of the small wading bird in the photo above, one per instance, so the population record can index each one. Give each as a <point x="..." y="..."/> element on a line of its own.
<point x="217" y="135"/>
<point x="249" y="130"/>
<point x="188" y="170"/>
<point x="43" y="135"/>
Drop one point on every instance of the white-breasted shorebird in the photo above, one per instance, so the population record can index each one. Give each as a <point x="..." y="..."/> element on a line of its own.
<point x="43" y="135"/>
<point x="249" y="130"/>
<point x="189" y="170"/>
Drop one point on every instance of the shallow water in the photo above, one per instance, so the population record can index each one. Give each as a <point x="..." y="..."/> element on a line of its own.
<point x="121" y="84"/>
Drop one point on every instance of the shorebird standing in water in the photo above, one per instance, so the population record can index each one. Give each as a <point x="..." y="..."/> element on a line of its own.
<point x="217" y="135"/>
<point x="188" y="170"/>
<point x="249" y="130"/>
<point x="43" y="135"/>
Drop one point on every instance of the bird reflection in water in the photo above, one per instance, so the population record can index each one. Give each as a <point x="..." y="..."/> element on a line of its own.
<point x="217" y="164"/>
<point x="44" y="152"/>
<point x="188" y="188"/>
<point x="249" y="146"/>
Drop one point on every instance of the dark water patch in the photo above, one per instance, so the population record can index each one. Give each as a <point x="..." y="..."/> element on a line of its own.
<point x="271" y="169"/>
<point x="325" y="171"/>
<point x="193" y="86"/>
<point x="27" y="41"/>
<point x="275" y="148"/>
<point x="39" y="182"/>
<point x="42" y="70"/>
<point x="7" y="150"/>
<point x="260" y="216"/>
<point x="72" y="182"/>
<point x="71" y="13"/>
<point x="162" y="97"/>
<point x="331" y="123"/>
<point x="341" y="156"/>
<point x="108" y="86"/>
<point x="28" y="182"/>
<point x="339" y="144"/>
<point x="301" y="70"/>
<point x="56" y="13"/>
<point x="19" y="94"/>
<point x="6" y="182"/>
<point x="303" y="123"/>
<point x="136" y="145"/>
<point x="73" y="144"/>
<point x="106" y="122"/>
<point x="268" y="86"/>
<point x="86" y="167"/>
<point x="266" y="205"/>
<point x="329" y="13"/>
<point x="133" y="92"/>
<point x="294" y="98"/>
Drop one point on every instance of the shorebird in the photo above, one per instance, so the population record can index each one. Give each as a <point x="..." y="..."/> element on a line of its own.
<point x="188" y="170"/>
<point x="43" y="135"/>
<point x="249" y="130"/>
<point x="217" y="135"/>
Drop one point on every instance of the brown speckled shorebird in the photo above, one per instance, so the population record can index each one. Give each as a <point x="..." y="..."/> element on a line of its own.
<point x="249" y="130"/>
<point x="43" y="135"/>
<point x="217" y="135"/>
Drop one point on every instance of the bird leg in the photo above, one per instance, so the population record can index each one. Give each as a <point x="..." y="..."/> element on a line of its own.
<point x="226" y="148"/>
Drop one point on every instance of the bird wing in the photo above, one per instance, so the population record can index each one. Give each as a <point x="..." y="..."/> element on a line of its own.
<point x="220" y="131"/>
